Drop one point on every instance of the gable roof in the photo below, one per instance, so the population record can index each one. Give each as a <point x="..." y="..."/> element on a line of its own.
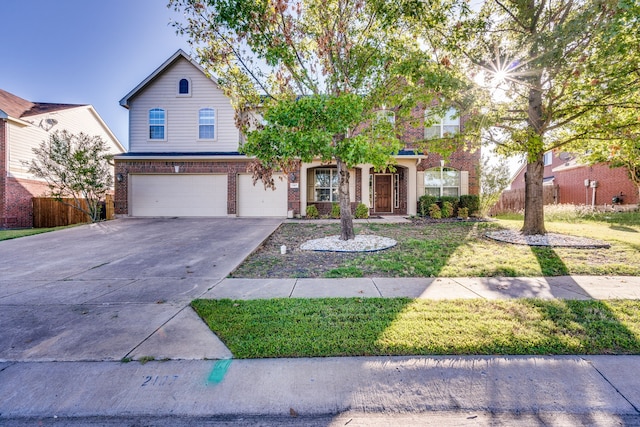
<point x="180" y="54"/>
<point x="16" y="107"/>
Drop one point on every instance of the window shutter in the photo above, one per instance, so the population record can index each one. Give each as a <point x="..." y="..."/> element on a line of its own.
<point x="464" y="183"/>
<point x="420" y="184"/>
<point x="311" y="183"/>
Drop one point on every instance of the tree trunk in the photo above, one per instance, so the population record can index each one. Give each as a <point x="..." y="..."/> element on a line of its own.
<point x="534" y="198"/>
<point x="346" y="218"/>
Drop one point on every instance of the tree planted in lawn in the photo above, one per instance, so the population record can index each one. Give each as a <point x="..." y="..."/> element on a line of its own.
<point x="75" y="167"/>
<point x="321" y="75"/>
<point x="558" y="65"/>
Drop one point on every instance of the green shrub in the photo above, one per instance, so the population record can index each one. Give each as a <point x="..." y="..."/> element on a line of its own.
<point x="455" y="202"/>
<point x="335" y="211"/>
<point x="434" y="211"/>
<point x="424" y="203"/>
<point x="471" y="202"/>
<point x="312" y="212"/>
<point x="447" y="210"/>
<point x="362" y="211"/>
<point x="463" y="212"/>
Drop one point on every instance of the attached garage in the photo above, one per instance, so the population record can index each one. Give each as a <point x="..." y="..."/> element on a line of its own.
<point x="177" y="195"/>
<point x="255" y="201"/>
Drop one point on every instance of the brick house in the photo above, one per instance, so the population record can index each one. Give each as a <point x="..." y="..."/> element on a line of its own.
<point x="23" y="126"/>
<point x="581" y="184"/>
<point x="184" y="159"/>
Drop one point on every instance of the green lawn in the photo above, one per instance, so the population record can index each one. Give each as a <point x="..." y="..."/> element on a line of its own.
<point x="453" y="249"/>
<point x="14" y="234"/>
<point x="402" y="326"/>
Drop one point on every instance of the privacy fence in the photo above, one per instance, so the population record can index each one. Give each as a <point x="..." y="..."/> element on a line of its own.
<point x="49" y="212"/>
<point x="513" y="200"/>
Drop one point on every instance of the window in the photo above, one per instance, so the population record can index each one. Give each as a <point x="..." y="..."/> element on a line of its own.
<point x="548" y="158"/>
<point x="442" y="182"/>
<point x="184" y="87"/>
<point x="156" y="123"/>
<point x="387" y="115"/>
<point x="206" y="123"/>
<point x="326" y="185"/>
<point x="443" y="126"/>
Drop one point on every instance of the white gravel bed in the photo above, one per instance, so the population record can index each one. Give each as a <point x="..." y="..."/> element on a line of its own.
<point x="549" y="239"/>
<point x="362" y="243"/>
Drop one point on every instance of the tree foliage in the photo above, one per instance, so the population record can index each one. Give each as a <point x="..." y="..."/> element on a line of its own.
<point x="559" y="67"/>
<point x="75" y="167"/>
<point x="335" y="80"/>
<point x="494" y="178"/>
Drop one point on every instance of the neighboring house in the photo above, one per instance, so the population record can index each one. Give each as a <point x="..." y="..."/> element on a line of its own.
<point x="183" y="160"/>
<point x="23" y="126"/>
<point x="580" y="184"/>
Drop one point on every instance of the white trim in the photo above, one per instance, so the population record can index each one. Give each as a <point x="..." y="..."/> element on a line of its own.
<point x="183" y="95"/>
<point x="164" y="138"/>
<point x="183" y="157"/>
<point x="215" y="125"/>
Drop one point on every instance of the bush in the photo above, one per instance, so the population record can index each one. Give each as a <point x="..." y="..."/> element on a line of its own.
<point x="362" y="211"/>
<point x="447" y="210"/>
<point x="463" y="212"/>
<point x="434" y="211"/>
<point x="454" y="201"/>
<point x="312" y="212"/>
<point x="424" y="203"/>
<point x="471" y="202"/>
<point x="335" y="211"/>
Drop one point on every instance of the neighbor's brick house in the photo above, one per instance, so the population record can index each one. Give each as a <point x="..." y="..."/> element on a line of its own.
<point x="23" y="126"/>
<point x="183" y="159"/>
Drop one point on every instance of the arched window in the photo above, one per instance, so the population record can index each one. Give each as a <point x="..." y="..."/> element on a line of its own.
<point x="183" y="87"/>
<point x="157" y="119"/>
<point x="207" y="123"/>
<point x="442" y="182"/>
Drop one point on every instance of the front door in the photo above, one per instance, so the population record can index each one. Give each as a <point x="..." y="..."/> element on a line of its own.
<point x="382" y="193"/>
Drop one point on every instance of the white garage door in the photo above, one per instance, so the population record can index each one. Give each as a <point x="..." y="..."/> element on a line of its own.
<point x="178" y="195"/>
<point x="254" y="200"/>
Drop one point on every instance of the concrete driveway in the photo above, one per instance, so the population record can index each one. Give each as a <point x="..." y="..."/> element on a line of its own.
<point x="118" y="289"/>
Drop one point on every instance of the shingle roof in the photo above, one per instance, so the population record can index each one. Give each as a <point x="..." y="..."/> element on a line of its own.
<point x="17" y="107"/>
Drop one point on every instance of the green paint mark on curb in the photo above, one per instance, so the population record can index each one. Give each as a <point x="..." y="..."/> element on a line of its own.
<point x="219" y="371"/>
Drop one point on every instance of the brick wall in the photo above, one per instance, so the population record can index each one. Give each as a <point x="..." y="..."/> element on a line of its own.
<point x="18" y="212"/>
<point x="3" y="172"/>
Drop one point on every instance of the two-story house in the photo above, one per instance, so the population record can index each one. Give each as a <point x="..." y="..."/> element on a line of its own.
<point x="23" y="126"/>
<point x="183" y="160"/>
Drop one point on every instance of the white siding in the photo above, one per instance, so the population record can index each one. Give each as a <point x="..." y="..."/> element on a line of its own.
<point x="181" y="127"/>
<point x="22" y="139"/>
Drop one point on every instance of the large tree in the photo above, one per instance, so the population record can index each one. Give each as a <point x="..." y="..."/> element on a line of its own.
<point x="321" y="74"/>
<point x="75" y="167"/>
<point x="557" y="65"/>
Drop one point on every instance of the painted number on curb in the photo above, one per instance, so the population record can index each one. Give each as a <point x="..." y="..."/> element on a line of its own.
<point x="159" y="380"/>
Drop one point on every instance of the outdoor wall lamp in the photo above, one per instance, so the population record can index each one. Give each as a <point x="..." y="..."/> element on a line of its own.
<point x="119" y="177"/>
<point x="292" y="177"/>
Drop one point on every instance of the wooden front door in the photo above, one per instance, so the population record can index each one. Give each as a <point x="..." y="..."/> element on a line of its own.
<point x="382" y="193"/>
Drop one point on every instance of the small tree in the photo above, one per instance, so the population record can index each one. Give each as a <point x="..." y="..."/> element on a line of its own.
<point x="75" y="167"/>
<point x="494" y="178"/>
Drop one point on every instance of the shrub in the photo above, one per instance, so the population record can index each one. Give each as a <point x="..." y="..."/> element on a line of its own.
<point x="424" y="203"/>
<point x="447" y="210"/>
<point x="455" y="202"/>
<point x="471" y="202"/>
<point x="463" y="212"/>
<point x="362" y="211"/>
<point x="335" y="211"/>
<point x="312" y="212"/>
<point x="434" y="211"/>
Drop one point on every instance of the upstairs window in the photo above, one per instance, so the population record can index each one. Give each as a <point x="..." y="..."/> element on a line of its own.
<point x="184" y="87"/>
<point x="207" y="123"/>
<point x="548" y="158"/>
<point x="442" y="126"/>
<point x="157" y="119"/>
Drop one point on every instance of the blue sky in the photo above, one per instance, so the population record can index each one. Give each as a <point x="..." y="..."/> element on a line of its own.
<point x="84" y="51"/>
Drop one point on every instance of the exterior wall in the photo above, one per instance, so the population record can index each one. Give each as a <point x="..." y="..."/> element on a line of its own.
<point x="230" y="167"/>
<point x="570" y="178"/>
<point x="18" y="212"/>
<point x="181" y="123"/>
<point x="3" y="172"/>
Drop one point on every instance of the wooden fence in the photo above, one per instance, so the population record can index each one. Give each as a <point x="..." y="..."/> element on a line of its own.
<point x="513" y="200"/>
<point x="48" y="212"/>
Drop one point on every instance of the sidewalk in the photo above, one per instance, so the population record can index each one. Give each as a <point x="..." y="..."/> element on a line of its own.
<point x="358" y="391"/>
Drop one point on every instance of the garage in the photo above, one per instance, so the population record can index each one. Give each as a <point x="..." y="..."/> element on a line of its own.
<point x="178" y="195"/>
<point x="255" y="201"/>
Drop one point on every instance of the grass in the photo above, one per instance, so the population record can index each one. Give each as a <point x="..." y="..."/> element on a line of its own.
<point x="453" y="249"/>
<point x="401" y="326"/>
<point x="23" y="232"/>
